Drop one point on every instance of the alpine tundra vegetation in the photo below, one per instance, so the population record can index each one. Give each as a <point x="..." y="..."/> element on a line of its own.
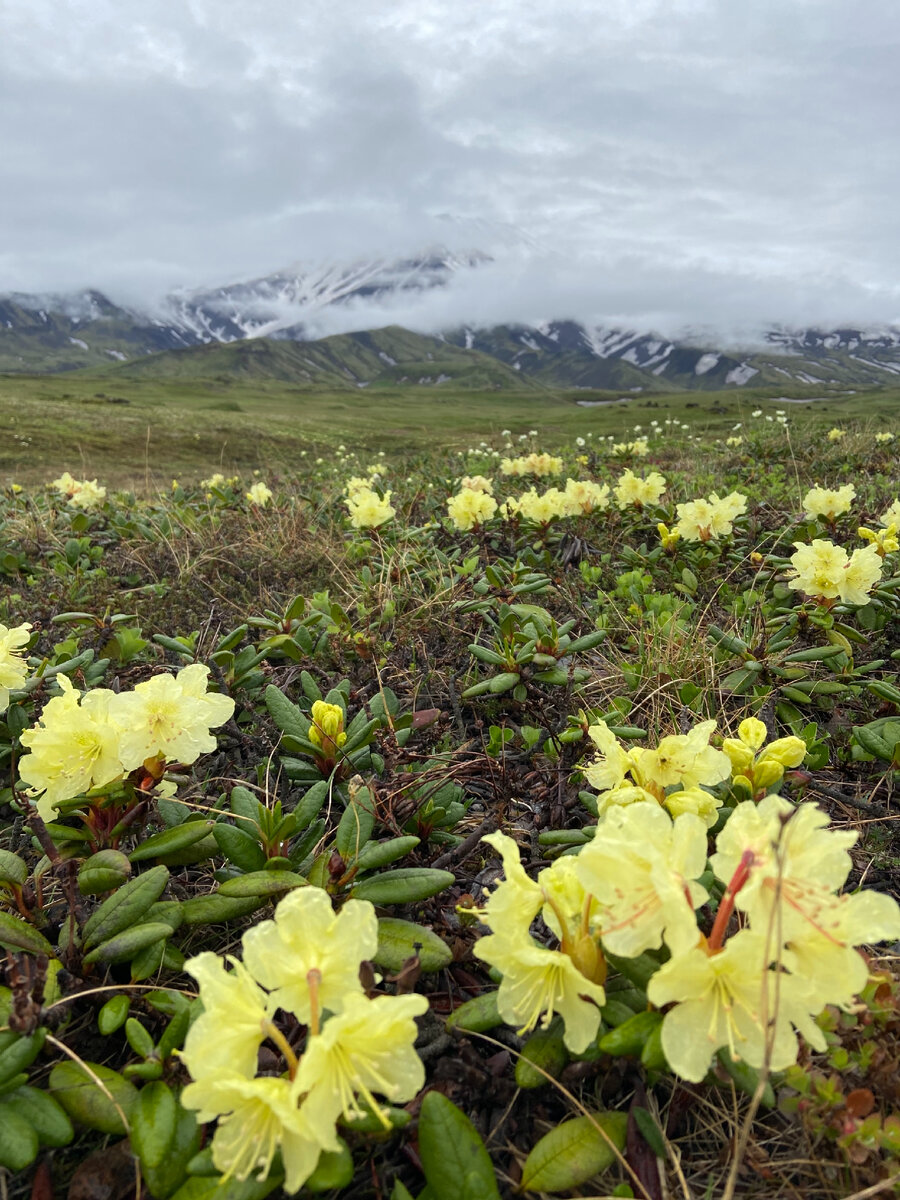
<point x="467" y="815"/>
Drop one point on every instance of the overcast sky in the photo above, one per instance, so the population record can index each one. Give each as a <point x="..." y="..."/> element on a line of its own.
<point x="698" y="161"/>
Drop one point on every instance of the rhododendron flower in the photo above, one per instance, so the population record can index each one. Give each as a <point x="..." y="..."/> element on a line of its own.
<point x="759" y="767"/>
<point x="642" y="867"/>
<point x="828" y="503"/>
<point x="368" y="510"/>
<point x="729" y="999"/>
<point x="477" y="483"/>
<point x="256" y="1118"/>
<point x="884" y="540"/>
<point x="88" y="494"/>
<point x="532" y="464"/>
<point x="705" y="520"/>
<point x="632" y="491"/>
<point x="883" y="438"/>
<point x="835" y="435"/>
<point x="66" y="485"/>
<point x="687" y="760"/>
<point x="364" y="1049"/>
<point x="584" y="496"/>
<point x="824" y="571"/>
<point x="259" y="494"/>
<point x="228" y="1033"/>
<point x="537" y="981"/>
<point x="308" y="936"/>
<point x="326" y="729"/>
<point x="169" y="717"/>
<point x="470" y="508"/>
<point x="74" y="747"/>
<point x="13" y="667"/>
<point x="891" y="515"/>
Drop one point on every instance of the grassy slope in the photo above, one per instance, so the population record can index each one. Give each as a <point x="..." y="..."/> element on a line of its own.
<point x="188" y="427"/>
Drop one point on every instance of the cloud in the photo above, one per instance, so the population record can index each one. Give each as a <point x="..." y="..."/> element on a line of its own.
<point x="677" y="161"/>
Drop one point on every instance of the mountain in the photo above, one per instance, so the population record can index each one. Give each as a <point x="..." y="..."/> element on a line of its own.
<point x="183" y="334"/>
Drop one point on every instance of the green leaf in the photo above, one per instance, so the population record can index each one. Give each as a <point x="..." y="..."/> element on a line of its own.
<point x="19" y="1052"/>
<point x="286" y="716"/>
<point x="18" y="1140"/>
<point x="203" y="910"/>
<point x="650" y="1131"/>
<point x="333" y="1170"/>
<point x="138" y="1038"/>
<point x="12" y="868"/>
<point x="261" y="883"/>
<point x="126" y="906"/>
<point x="380" y="854"/>
<point x="126" y="945"/>
<point x="356" y="825"/>
<point x="152" y="1122"/>
<point x="239" y="846"/>
<point x="574" y="1152"/>
<point x="403" y="886"/>
<point x="19" y="935"/>
<point x="87" y="1103"/>
<point x="213" y="1187"/>
<point x="102" y="872"/>
<point x="476" y="1016"/>
<point x="163" y="1179"/>
<point x="113" y="1014"/>
<point x="399" y="940"/>
<point x="45" y="1116"/>
<point x="170" y="841"/>
<point x="543" y="1054"/>
<point x="454" y="1159"/>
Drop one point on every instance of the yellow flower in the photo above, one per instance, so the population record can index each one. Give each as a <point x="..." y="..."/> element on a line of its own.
<point x="470" y="508"/>
<point x="169" y="717"/>
<point x="734" y="442"/>
<point x="695" y="520"/>
<point x="884" y="540"/>
<point x="883" y="438"/>
<point x="308" y="937"/>
<point x="760" y="768"/>
<point x="611" y="767"/>
<point x="634" y="491"/>
<point x="891" y="515"/>
<point x="364" y="1049"/>
<point x="74" y="747"/>
<point x="726" y="999"/>
<point x="477" y="483"/>
<point x="259" y="494"/>
<point x="668" y="537"/>
<point x="233" y="1025"/>
<point x="585" y="496"/>
<point x="835" y="435"/>
<point x="13" y="667"/>
<point x="829" y="503"/>
<point x="368" y="510"/>
<point x="256" y="1118"/>
<point x="327" y="728"/>
<point x="66" y="485"/>
<point x="216" y="480"/>
<point x="532" y="464"/>
<point x="641" y="867"/>
<point x="537" y="981"/>
<point x="685" y="760"/>
<point x="88" y="495"/>
<point x="824" y="571"/>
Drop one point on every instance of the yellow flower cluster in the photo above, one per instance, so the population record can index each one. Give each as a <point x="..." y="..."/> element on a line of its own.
<point x="84" y="742"/>
<point x="676" y="774"/>
<point x="305" y="963"/>
<point x="758" y="767"/>
<point x="218" y="480"/>
<point x="825" y="572"/>
<point x="478" y="483"/>
<point x="532" y="464"/>
<point x="891" y="515"/>
<point x="327" y="728"/>
<point x="259" y="494"/>
<point x="632" y="491"/>
<point x="471" y="507"/>
<point x="81" y="493"/>
<point x="884" y="540"/>
<point x="636" y="885"/>
<point x="707" y="520"/>
<point x="639" y="448"/>
<point x="883" y="438"/>
<point x="734" y="442"/>
<point x="367" y="509"/>
<point x="13" y="667"/>
<point x="835" y="435"/>
<point x="828" y="503"/>
<point x="579" y="497"/>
